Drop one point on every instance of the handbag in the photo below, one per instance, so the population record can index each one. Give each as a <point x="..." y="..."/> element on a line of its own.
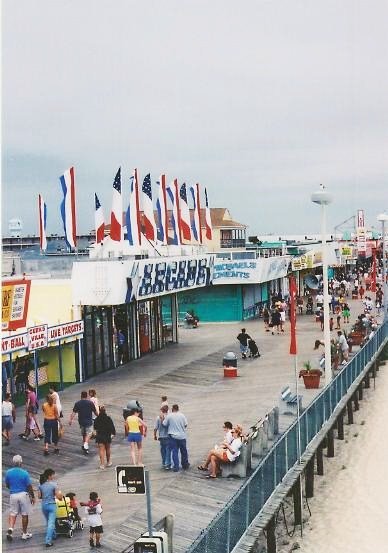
<point x="61" y="430"/>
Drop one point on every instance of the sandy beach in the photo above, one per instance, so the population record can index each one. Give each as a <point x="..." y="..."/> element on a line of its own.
<point x="349" y="508"/>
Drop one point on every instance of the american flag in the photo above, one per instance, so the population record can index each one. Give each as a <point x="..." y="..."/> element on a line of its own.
<point x="116" y="215"/>
<point x="184" y="215"/>
<point x="148" y="210"/>
<point x="147" y="186"/>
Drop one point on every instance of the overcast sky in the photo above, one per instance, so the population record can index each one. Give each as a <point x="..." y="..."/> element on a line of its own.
<point x="259" y="101"/>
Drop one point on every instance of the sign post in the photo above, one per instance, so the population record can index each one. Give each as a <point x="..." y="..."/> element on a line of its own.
<point x="134" y="479"/>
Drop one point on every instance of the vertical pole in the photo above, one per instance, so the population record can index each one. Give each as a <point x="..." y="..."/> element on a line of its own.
<point x="310" y="477"/>
<point x="297" y="496"/>
<point x="326" y="314"/>
<point x="148" y="498"/>
<point x="349" y="408"/>
<point x="330" y="443"/>
<point x="385" y="287"/>
<point x="12" y="387"/>
<point x="60" y="365"/>
<point x="36" y="374"/>
<point x="80" y="358"/>
<point x="355" y="399"/>
<point x="271" y="537"/>
<point x="360" y="392"/>
<point x="340" y="427"/>
<point x="320" y="460"/>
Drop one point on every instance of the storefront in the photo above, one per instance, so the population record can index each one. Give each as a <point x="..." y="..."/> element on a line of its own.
<point x="130" y="306"/>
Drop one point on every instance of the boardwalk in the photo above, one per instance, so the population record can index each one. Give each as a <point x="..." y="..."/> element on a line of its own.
<point x="189" y="373"/>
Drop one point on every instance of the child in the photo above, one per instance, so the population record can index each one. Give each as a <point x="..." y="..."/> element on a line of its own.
<point x="74" y="507"/>
<point x="93" y="511"/>
<point x="164" y="401"/>
<point x="31" y="426"/>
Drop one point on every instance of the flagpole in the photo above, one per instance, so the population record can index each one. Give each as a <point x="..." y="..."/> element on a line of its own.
<point x="293" y="351"/>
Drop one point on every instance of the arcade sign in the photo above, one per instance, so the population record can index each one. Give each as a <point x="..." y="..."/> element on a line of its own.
<point x="15" y="295"/>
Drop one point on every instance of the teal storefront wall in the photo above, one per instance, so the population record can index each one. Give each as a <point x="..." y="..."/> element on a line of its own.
<point x="213" y="303"/>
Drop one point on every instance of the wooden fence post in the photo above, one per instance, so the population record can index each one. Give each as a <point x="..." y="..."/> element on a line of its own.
<point x="320" y="460"/>
<point x="310" y="477"/>
<point x="349" y="408"/>
<point x="271" y="536"/>
<point x="297" y="501"/>
<point x="340" y="427"/>
<point x="330" y="443"/>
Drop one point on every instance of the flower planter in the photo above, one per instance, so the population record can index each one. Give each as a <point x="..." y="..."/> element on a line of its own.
<point x="311" y="378"/>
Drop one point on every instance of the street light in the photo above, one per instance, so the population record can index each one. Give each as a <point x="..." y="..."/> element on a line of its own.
<point x="323" y="198"/>
<point x="383" y="218"/>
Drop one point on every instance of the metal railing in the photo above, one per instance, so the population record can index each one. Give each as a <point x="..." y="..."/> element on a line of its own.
<point x="226" y="529"/>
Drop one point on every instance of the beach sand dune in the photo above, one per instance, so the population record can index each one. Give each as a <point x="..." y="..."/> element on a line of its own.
<point x="350" y="504"/>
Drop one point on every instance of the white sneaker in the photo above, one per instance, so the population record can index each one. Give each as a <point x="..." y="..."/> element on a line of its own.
<point x="109" y="464"/>
<point x="26" y="536"/>
<point x="102" y="467"/>
<point x="37" y="439"/>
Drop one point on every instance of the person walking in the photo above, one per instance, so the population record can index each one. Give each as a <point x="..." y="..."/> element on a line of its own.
<point x="176" y="424"/>
<point x="85" y="409"/>
<point x="54" y="393"/>
<point x="22" y="496"/>
<point x="32" y="407"/>
<point x="243" y="338"/>
<point x="8" y="417"/>
<point x="343" y="347"/>
<point x="135" y="429"/>
<point x="105" y="429"/>
<point x="50" y="424"/>
<point x="161" y="435"/>
<point x="48" y="491"/>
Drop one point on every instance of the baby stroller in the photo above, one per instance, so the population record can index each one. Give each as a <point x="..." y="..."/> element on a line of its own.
<point x="309" y="306"/>
<point x="65" y="522"/>
<point x="253" y="349"/>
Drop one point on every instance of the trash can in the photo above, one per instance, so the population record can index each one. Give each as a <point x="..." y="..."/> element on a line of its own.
<point x="132" y="405"/>
<point x="229" y="363"/>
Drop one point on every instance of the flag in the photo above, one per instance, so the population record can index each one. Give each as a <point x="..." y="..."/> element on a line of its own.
<point x="148" y="209"/>
<point x="42" y="224"/>
<point x="68" y="207"/>
<point x="208" y="220"/>
<point x="161" y="207"/>
<point x="99" y="221"/>
<point x="196" y="221"/>
<point x="133" y="213"/>
<point x="293" y="292"/>
<point x="116" y="215"/>
<point x="172" y="192"/>
<point x="184" y="219"/>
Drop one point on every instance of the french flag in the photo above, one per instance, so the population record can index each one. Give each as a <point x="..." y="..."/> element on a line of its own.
<point x="99" y="221"/>
<point x="68" y="207"/>
<point x="208" y="220"/>
<point x="133" y="213"/>
<point x="148" y="209"/>
<point x="116" y="215"/>
<point x="184" y="220"/>
<point x="42" y="224"/>
<point x="196" y="221"/>
<point x="173" y="195"/>
<point x="161" y="207"/>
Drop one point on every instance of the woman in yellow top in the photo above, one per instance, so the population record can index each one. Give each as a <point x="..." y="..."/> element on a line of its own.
<point x="135" y="429"/>
<point x="50" y="424"/>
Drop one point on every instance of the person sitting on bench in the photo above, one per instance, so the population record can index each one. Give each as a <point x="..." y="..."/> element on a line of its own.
<point x="226" y="453"/>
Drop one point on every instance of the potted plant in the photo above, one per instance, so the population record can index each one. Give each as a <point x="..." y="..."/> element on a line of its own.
<point x="311" y="377"/>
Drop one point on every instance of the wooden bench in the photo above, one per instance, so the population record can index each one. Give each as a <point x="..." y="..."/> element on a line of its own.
<point x="291" y="401"/>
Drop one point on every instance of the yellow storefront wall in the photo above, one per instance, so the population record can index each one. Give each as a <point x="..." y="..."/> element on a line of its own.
<point x="51" y="303"/>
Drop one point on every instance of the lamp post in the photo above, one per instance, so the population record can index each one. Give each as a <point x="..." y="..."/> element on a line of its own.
<point x="323" y="199"/>
<point x="383" y="218"/>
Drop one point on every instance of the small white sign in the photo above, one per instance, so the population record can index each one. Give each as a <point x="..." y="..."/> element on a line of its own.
<point x="37" y="337"/>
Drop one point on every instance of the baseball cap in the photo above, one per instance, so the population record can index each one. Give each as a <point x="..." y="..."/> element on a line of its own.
<point x="17" y="459"/>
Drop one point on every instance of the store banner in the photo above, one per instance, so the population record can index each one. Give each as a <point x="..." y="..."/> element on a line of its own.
<point x="250" y="271"/>
<point x="15" y="297"/>
<point x="157" y="278"/>
<point x="41" y="334"/>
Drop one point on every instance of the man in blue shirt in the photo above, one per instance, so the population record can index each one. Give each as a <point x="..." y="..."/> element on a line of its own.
<point x="85" y="408"/>
<point x="176" y="424"/>
<point x="18" y="482"/>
